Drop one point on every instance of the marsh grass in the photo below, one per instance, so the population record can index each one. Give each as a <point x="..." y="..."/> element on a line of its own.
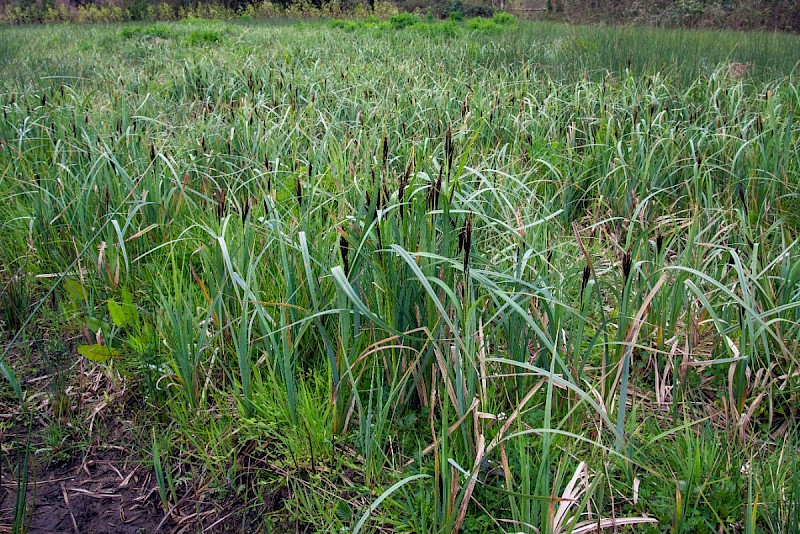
<point x="532" y="279"/>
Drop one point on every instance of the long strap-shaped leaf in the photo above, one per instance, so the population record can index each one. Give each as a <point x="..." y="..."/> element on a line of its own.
<point x="385" y="495"/>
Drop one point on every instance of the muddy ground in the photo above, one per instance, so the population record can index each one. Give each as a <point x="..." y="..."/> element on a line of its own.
<point x="90" y="465"/>
<point x="103" y="494"/>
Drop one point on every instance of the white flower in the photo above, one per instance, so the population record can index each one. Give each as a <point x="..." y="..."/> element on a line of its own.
<point x="745" y="469"/>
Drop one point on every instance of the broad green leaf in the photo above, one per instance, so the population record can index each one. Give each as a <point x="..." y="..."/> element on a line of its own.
<point x="128" y="306"/>
<point x="117" y="313"/>
<point x="97" y="353"/>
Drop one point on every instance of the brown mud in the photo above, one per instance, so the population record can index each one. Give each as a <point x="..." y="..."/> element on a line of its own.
<point x="105" y="493"/>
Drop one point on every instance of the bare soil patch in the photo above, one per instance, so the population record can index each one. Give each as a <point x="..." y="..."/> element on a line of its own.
<point x="104" y="493"/>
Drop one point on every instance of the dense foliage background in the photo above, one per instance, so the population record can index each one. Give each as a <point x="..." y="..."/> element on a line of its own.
<point x="781" y="15"/>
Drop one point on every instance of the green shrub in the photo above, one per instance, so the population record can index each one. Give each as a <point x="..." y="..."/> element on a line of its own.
<point x="259" y="10"/>
<point x="97" y="13"/>
<point x="452" y="6"/>
<point x="162" y="31"/>
<point x="192" y="20"/>
<point x="162" y="11"/>
<point x="480" y="24"/>
<point x="403" y="20"/>
<point x="346" y="25"/>
<point x="504" y="19"/>
<point x="438" y="29"/>
<point x="456" y="16"/>
<point x="384" y="10"/>
<point x="332" y="9"/>
<point x="131" y="31"/>
<point x="303" y="9"/>
<point x="477" y="8"/>
<point x="60" y="13"/>
<point x="203" y="37"/>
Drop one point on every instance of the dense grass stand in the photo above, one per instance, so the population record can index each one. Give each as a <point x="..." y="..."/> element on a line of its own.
<point x="403" y="275"/>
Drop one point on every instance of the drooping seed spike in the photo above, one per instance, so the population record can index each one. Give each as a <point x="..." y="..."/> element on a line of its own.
<point x="344" y="250"/>
<point x="404" y="180"/>
<point x="465" y="242"/>
<point x="221" y="201"/>
<point x="385" y="154"/>
<point x="587" y="273"/>
<point x="433" y="192"/>
<point x="298" y="192"/>
<point x="626" y="267"/>
<point x="742" y="199"/>
<point x="245" y="209"/>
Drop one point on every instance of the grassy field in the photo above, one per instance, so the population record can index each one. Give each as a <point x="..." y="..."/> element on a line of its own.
<point x="371" y="276"/>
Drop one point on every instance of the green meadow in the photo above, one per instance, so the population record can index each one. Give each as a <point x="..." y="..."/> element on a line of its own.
<point x="405" y="275"/>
